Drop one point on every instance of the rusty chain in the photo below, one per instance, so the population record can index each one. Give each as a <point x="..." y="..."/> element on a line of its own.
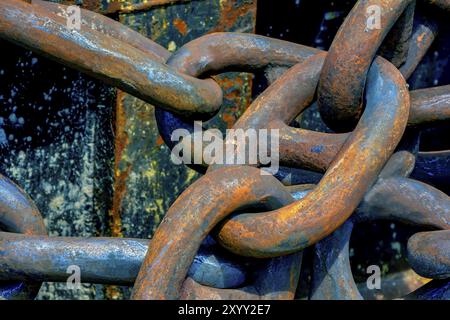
<point x="365" y="167"/>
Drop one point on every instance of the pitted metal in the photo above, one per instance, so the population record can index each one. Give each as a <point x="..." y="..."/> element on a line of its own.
<point x="236" y="233"/>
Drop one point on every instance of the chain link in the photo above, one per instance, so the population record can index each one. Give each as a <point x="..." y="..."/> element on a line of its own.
<point x="367" y="165"/>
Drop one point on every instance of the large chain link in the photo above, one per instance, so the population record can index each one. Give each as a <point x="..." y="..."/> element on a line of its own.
<point x="366" y="165"/>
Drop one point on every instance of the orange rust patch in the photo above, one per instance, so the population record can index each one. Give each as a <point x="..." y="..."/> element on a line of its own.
<point x="229" y="119"/>
<point x="181" y="26"/>
<point x="159" y="141"/>
<point x="234" y="91"/>
<point x="420" y="37"/>
<point x="230" y="15"/>
<point x="113" y="292"/>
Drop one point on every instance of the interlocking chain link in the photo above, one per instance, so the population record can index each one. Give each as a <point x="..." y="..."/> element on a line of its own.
<point x="366" y="167"/>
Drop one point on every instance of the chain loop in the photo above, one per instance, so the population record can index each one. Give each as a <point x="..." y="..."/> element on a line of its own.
<point x="364" y="180"/>
<point x="342" y="80"/>
<point x="19" y="214"/>
<point x="108" y="59"/>
<point x="393" y="197"/>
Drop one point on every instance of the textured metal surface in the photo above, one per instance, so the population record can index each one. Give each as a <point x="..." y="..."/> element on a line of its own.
<point x="344" y="73"/>
<point x="393" y="197"/>
<point x="104" y="260"/>
<point x="261" y="225"/>
<point x="112" y="61"/>
<point x="305" y="222"/>
<point x="429" y="254"/>
<point x="428" y="106"/>
<point x="19" y="214"/>
<point x="142" y="166"/>
<point x="174" y="255"/>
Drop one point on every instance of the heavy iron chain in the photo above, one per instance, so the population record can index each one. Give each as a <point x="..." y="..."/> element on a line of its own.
<point x="366" y="165"/>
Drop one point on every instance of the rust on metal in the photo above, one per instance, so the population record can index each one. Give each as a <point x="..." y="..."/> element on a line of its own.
<point x="112" y="61"/>
<point x="120" y="175"/>
<point x="208" y="201"/>
<point x="238" y="232"/>
<point x="246" y="52"/>
<point x="393" y="197"/>
<point x="110" y="28"/>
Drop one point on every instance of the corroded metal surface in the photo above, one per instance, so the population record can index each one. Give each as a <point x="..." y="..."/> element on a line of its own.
<point x="135" y="123"/>
<point x="347" y="64"/>
<point x="261" y="225"/>
<point x="104" y="260"/>
<point x="175" y="255"/>
<point x="306" y="222"/>
<point x="142" y="165"/>
<point x="250" y="52"/>
<point x="119" y="6"/>
<point x="332" y="273"/>
<point x="111" y="28"/>
<point x="309" y="226"/>
<point x="112" y="61"/>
